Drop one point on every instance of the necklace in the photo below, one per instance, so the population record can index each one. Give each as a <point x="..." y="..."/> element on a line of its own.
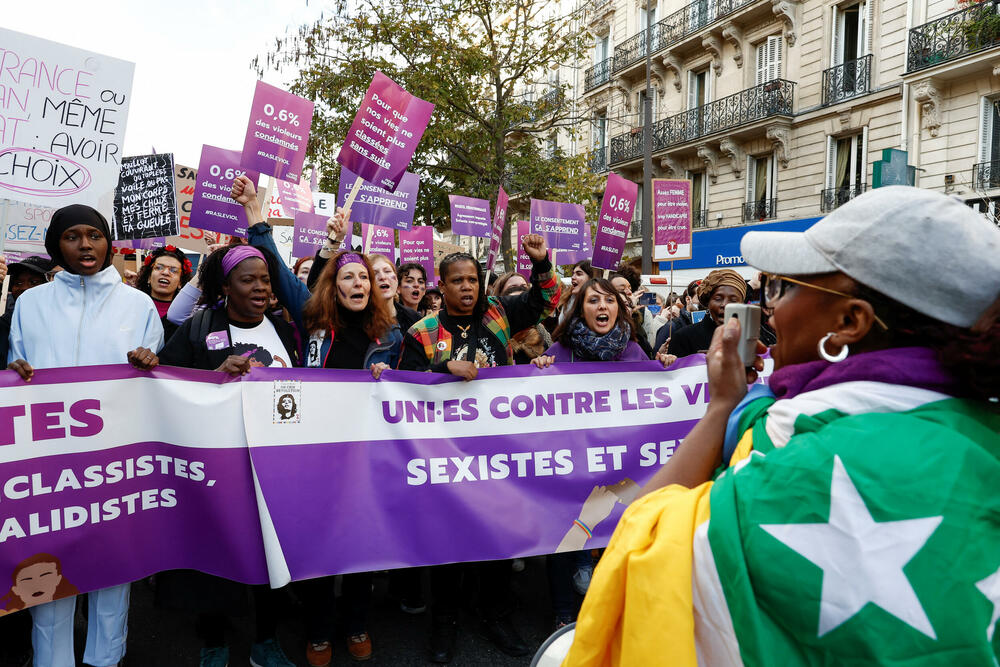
<point x="465" y="330"/>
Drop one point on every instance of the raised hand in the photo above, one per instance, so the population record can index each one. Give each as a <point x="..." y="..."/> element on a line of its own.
<point x="336" y="226"/>
<point x="243" y="191"/>
<point x="534" y="246"/>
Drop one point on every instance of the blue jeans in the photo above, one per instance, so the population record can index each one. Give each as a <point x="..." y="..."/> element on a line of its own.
<point x="107" y="629"/>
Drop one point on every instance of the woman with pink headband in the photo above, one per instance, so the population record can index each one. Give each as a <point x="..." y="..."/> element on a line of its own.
<point x="233" y="332"/>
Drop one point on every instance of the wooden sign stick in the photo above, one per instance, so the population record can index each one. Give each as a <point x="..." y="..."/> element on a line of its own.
<point x="3" y="295"/>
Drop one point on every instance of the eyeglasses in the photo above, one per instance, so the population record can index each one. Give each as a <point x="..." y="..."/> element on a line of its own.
<point x="163" y="268"/>
<point x="777" y="285"/>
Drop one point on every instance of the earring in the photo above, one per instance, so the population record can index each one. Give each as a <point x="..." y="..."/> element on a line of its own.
<point x="225" y="304"/>
<point x="826" y="356"/>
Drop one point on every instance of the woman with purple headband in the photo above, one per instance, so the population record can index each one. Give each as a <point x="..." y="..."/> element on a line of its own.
<point x="232" y="332"/>
<point x="347" y="324"/>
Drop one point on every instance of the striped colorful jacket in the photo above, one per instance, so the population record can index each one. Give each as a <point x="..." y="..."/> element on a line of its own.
<point x="504" y="317"/>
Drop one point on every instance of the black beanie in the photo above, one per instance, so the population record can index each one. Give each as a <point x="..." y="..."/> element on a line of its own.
<point x="71" y="216"/>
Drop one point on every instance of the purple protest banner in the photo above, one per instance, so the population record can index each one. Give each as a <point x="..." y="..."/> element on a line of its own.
<point x="417" y="245"/>
<point x="385" y="133"/>
<point x="560" y="224"/>
<point x="295" y="197"/>
<point x="310" y="234"/>
<point x="378" y="240"/>
<point x="141" y="244"/>
<point x="617" y="211"/>
<point x="671" y="220"/>
<point x="499" y="222"/>
<point x="422" y="446"/>
<point x="574" y="256"/>
<point x="523" y="261"/>
<point x="469" y="216"/>
<point x="277" y="133"/>
<point x="375" y="206"/>
<point x="120" y="474"/>
<point x="212" y="208"/>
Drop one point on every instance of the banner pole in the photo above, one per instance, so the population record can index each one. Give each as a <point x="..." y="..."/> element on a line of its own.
<point x="3" y="228"/>
<point x="352" y="195"/>
<point x="672" y="277"/>
<point x="265" y="207"/>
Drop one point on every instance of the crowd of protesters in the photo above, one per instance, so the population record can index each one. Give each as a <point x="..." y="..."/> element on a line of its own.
<point x="347" y="310"/>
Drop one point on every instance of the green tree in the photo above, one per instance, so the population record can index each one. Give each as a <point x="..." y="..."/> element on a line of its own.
<point x="479" y="62"/>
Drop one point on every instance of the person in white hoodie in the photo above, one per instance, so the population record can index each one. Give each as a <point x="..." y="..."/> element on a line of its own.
<point x="86" y="316"/>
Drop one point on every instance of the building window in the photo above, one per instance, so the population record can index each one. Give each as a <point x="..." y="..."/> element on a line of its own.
<point x="601" y="50"/>
<point x="851" y="33"/>
<point x="846" y="169"/>
<point x="699" y="199"/>
<point x="769" y="59"/>
<point x="699" y="88"/>
<point x="642" y="15"/>
<point x="601" y="130"/>
<point x="640" y="109"/>
<point x="551" y="147"/>
<point x="986" y="173"/>
<point x="761" y="202"/>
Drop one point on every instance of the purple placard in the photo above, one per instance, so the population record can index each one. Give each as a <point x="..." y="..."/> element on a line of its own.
<point x="310" y="234"/>
<point x="671" y="219"/>
<point x="617" y="211"/>
<point x="375" y="206"/>
<point x="141" y="244"/>
<point x="212" y="208"/>
<point x="523" y="261"/>
<point x="470" y="216"/>
<point x="560" y="224"/>
<point x="296" y="197"/>
<point x="378" y="240"/>
<point x="385" y="133"/>
<point x="417" y="245"/>
<point x="564" y="257"/>
<point x="499" y="222"/>
<point x="277" y="133"/>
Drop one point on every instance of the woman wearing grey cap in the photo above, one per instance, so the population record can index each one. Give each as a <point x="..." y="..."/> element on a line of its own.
<point x="857" y="519"/>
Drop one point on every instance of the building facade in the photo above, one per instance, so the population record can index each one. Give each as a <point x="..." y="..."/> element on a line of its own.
<point x="778" y="109"/>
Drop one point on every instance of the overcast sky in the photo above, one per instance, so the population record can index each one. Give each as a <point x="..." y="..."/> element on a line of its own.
<point x="193" y="83"/>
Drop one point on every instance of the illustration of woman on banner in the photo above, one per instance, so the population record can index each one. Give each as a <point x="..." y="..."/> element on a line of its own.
<point x="36" y="580"/>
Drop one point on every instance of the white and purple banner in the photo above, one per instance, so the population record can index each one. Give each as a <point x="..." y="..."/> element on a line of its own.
<point x="417" y="245"/>
<point x="385" y="133"/>
<point x="470" y="216"/>
<point x="277" y="133"/>
<point x="375" y="206"/>
<point x="119" y="474"/>
<point x="559" y="223"/>
<point x="212" y="208"/>
<point x="617" y="211"/>
<point x="499" y="222"/>
<point x="671" y="220"/>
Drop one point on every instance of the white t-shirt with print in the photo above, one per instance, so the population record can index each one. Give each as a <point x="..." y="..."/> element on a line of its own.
<point x="259" y="342"/>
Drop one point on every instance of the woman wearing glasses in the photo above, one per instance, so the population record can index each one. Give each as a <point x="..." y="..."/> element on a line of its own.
<point x="857" y="520"/>
<point x="721" y="287"/>
<point x="164" y="271"/>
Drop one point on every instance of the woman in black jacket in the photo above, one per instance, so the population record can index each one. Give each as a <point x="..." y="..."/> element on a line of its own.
<point x="232" y="333"/>
<point x="721" y="287"/>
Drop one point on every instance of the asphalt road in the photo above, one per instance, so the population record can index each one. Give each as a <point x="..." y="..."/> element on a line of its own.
<point x="159" y="638"/>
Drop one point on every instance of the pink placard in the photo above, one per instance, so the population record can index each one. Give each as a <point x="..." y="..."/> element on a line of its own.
<point x="671" y="219"/>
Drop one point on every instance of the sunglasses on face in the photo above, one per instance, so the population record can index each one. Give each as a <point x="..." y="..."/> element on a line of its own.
<point x="776" y="285"/>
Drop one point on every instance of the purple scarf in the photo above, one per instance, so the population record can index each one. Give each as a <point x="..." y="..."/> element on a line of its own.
<point x="910" y="366"/>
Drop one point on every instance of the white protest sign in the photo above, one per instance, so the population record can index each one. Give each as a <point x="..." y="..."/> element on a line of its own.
<point x="62" y="122"/>
<point x="24" y="227"/>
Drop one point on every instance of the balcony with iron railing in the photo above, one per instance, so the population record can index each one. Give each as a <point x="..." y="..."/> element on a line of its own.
<point x="599" y="160"/>
<point x="674" y="28"/>
<point x="967" y="31"/>
<point x="847" y="80"/>
<point x="597" y="75"/>
<point x="832" y="198"/>
<point x="762" y="209"/>
<point x="986" y="175"/>
<point x="774" y="98"/>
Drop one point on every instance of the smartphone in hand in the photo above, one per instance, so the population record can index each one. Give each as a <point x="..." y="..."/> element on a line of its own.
<point x="749" y="317"/>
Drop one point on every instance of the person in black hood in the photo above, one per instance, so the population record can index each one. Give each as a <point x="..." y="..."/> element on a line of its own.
<point x="77" y="215"/>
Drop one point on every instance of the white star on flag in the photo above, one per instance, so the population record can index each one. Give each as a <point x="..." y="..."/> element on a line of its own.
<point x="862" y="559"/>
<point x="990" y="587"/>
